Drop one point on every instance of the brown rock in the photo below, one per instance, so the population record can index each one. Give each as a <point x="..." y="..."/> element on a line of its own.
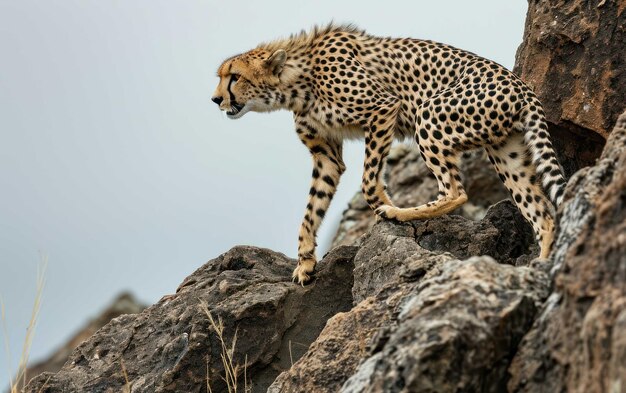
<point x="578" y="342"/>
<point x="336" y="353"/>
<point x="573" y="57"/>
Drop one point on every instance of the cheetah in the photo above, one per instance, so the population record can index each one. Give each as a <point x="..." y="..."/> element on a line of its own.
<point x="342" y="83"/>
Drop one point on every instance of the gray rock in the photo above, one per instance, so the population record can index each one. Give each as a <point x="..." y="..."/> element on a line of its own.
<point x="391" y="249"/>
<point x="169" y="346"/>
<point x="578" y="342"/>
<point x="456" y="332"/>
<point x="485" y="304"/>
<point x="124" y="303"/>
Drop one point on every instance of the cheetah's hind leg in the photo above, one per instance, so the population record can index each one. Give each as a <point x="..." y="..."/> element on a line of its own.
<point x="429" y="210"/>
<point x="513" y="162"/>
<point x="451" y="191"/>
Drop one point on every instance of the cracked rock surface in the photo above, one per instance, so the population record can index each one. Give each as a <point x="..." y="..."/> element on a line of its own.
<point x="168" y="347"/>
<point x="570" y="57"/>
<point x="417" y="303"/>
<point x="578" y="344"/>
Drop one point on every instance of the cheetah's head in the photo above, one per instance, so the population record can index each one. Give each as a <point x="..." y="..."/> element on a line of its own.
<point x="250" y="82"/>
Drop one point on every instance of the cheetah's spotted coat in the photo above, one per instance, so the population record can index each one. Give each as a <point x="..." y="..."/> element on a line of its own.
<point x="341" y="83"/>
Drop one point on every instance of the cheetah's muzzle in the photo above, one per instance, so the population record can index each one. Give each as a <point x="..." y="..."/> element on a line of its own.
<point x="235" y="109"/>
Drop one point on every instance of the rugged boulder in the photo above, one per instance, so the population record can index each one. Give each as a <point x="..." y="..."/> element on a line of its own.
<point x="394" y="266"/>
<point x="572" y="55"/>
<point x="124" y="303"/>
<point x="578" y="344"/>
<point x="456" y="331"/>
<point x="172" y="347"/>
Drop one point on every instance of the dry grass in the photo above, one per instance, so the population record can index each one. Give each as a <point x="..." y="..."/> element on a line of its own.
<point x="20" y="374"/>
<point x="232" y="370"/>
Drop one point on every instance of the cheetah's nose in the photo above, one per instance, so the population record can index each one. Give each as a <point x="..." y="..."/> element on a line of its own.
<point x="217" y="100"/>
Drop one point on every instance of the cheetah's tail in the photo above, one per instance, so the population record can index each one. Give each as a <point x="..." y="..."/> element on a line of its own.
<point x="537" y="139"/>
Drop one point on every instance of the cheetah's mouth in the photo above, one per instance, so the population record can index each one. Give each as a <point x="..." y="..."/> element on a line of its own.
<point x="235" y="109"/>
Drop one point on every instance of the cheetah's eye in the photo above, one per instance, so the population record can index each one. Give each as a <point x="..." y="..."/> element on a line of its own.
<point x="234" y="77"/>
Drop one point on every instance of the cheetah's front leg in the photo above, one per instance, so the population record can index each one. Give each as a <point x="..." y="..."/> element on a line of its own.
<point x="327" y="169"/>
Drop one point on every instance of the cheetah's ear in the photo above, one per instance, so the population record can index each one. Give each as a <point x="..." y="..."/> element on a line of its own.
<point x="275" y="62"/>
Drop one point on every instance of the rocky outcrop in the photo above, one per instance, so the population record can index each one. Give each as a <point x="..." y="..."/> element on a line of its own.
<point x="456" y="331"/>
<point x="124" y="303"/>
<point x="572" y="56"/>
<point x="428" y="322"/>
<point x="399" y="281"/>
<point x="171" y="346"/>
<point x="578" y="344"/>
<point x="410" y="308"/>
<point x="391" y="247"/>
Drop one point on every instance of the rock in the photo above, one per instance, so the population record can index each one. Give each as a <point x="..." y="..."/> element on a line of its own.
<point x="578" y="342"/>
<point x="456" y="332"/>
<point x="412" y="184"/>
<point x="170" y="346"/>
<point x="336" y="353"/>
<point x="395" y="263"/>
<point x="411" y="308"/>
<point x="427" y="321"/>
<point x="572" y="56"/>
<point x="391" y="248"/>
<point x="124" y="303"/>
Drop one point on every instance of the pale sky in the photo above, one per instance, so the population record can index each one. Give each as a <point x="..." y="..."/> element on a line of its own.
<point x="115" y="164"/>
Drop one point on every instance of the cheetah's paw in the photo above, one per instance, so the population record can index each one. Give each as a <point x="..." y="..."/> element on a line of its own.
<point x="387" y="212"/>
<point x="302" y="271"/>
